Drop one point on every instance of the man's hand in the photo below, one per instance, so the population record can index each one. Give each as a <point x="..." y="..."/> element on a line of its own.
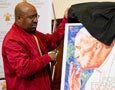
<point x="53" y="55"/>
<point x="74" y="77"/>
<point x="66" y="13"/>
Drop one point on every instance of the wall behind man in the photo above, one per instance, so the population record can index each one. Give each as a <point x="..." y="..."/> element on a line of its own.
<point x="61" y="5"/>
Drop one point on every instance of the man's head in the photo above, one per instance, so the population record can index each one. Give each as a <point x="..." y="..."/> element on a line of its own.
<point x="90" y="52"/>
<point x="26" y="16"/>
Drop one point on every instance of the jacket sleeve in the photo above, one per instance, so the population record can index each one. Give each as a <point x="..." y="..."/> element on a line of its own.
<point x="55" y="38"/>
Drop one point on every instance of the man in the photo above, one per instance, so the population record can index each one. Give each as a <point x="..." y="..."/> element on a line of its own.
<point x="91" y="53"/>
<point x="25" y="51"/>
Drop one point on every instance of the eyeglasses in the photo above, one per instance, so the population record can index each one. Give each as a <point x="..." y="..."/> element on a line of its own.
<point x="32" y="17"/>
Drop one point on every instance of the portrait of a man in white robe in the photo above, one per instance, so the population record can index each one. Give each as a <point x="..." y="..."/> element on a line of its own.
<point x="88" y="64"/>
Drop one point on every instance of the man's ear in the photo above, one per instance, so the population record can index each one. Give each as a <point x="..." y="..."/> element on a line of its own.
<point x="98" y="47"/>
<point x="19" y="19"/>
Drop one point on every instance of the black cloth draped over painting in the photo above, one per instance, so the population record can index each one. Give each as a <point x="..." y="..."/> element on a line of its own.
<point x="97" y="17"/>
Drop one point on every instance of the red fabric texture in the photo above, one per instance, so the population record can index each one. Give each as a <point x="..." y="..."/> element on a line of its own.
<point x="24" y="68"/>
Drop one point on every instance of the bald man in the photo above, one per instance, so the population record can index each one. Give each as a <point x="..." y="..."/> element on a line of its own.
<point x="25" y="51"/>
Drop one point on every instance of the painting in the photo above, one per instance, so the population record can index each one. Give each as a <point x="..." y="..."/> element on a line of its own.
<point x="88" y="64"/>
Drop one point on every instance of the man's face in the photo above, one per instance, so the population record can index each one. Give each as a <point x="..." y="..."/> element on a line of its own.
<point x="88" y="52"/>
<point x="30" y="20"/>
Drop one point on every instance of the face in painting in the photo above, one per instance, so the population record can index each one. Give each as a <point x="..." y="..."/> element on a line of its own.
<point x="89" y="52"/>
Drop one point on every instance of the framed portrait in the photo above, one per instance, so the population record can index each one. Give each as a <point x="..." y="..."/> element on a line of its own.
<point x="94" y="60"/>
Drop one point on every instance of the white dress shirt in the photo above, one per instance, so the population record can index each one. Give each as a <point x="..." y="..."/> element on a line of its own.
<point x="103" y="78"/>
